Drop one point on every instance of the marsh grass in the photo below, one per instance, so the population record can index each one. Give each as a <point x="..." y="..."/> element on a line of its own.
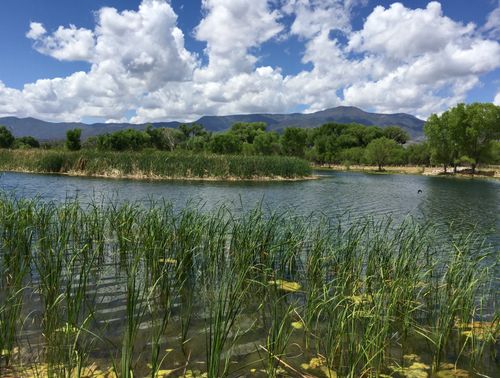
<point x="356" y="298"/>
<point x="154" y="164"/>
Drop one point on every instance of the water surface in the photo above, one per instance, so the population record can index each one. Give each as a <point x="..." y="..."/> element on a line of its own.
<point x="441" y="200"/>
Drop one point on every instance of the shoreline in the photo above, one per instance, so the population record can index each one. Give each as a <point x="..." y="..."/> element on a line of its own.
<point x="116" y="175"/>
<point x="493" y="172"/>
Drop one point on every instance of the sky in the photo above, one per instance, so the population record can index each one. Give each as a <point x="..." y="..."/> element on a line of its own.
<point x="157" y="60"/>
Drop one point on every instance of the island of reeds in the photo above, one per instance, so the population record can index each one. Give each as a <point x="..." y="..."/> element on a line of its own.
<point x="150" y="291"/>
<point x="151" y="164"/>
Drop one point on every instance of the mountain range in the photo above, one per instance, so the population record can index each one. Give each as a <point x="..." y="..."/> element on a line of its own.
<point x="44" y="131"/>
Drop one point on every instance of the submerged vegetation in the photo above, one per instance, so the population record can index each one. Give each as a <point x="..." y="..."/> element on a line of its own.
<point x="154" y="164"/>
<point x="125" y="290"/>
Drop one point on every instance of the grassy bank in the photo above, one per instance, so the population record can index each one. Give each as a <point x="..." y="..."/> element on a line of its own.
<point x="154" y="165"/>
<point x="487" y="171"/>
<point x="133" y="291"/>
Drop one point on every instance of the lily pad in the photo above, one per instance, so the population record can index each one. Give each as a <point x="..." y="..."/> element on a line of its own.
<point x="298" y="325"/>
<point x="289" y="286"/>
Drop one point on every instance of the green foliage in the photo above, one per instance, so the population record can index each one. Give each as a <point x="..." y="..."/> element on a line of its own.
<point x="226" y="143"/>
<point x="6" y="137"/>
<point x="154" y="164"/>
<point x="73" y="141"/>
<point x="193" y="130"/>
<point x="165" y="138"/>
<point x="495" y="152"/>
<point x="52" y="162"/>
<point x="267" y="143"/>
<point x="365" y="297"/>
<point x="246" y="132"/>
<point x="294" y="141"/>
<point x="382" y="151"/>
<point x="397" y="134"/>
<point x="26" y="142"/>
<point x="465" y="133"/>
<point x="354" y="155"/>
<point x="418" y="154"/>
<point x="128" y="139"/>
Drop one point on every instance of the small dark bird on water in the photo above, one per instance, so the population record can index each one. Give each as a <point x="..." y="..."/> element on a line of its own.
<point x="419" y="191"/>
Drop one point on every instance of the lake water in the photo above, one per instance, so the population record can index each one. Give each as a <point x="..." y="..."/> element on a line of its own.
<point x="460" y="203"/>
<point x="444" y="201"/>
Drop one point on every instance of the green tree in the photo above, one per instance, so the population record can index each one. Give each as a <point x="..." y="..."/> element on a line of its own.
<point x="192" y="130"/>
<point x="418" y="154"/>
<point x="225" y="143"/>
<point x="372" y="133"/>
<point x="267" y="143"/>
<point x="354" y="155"/>
<point x="164" y="138"/>
<point x="465" y="133"/>
<point x="382" y="151"/>
<point x="73" y="139"/>
<point x="482" y="129"/>
<point x="294" y="141"/>
<point x="122" y="140"/>
<point x="26" y="142"/>
<point x="440" y="143"/>
<point x="6" y="137"/>
<point x="397" y="134"/>
<point x="246" y="132"/>
<point x="495" y="153"/>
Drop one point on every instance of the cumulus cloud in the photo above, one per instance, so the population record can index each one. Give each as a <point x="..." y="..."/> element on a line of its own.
<point x="496" y="101"/>
<point x="401" y="60"/>
<point x="65" y="43"/>
<point x="131" y="53"/>
<point x="315" y="16"/>
<point x="36" y="31"/>
<point x="230" y="28"/>
<point x="402" y="33"/>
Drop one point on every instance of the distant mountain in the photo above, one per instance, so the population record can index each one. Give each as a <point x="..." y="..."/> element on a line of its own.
<point x="343" y="114"/>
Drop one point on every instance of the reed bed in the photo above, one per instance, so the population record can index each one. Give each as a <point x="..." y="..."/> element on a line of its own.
<point x="133" y="291"/>
<point x="152" y="164"/>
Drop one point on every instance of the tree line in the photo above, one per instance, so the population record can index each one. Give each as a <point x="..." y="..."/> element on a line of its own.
<point x="330" y="143"/>
<point x="465" y="134"/>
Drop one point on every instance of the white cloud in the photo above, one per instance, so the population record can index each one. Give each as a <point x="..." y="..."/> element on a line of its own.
<point x="231" y="28"/>
<point x="65" y="43"/>
<point x="402" y="33"/>
<point x="315" y="16"/>
<point x="496" y="101"/>
<point x="492" y="26"/>
<point x="130" y="52"/>
<point x="36" y="30"/>
<point x="401" y="60"/>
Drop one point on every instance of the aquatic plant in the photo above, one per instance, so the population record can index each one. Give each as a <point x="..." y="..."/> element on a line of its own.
<point x="149" y="289"/>
<point x="154" y="164"/>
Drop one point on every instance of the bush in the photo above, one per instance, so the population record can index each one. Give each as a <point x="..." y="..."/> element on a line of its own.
<point x="73" y="142"/>
<point x="6" y="138"/>
<point x="26" y="142"/>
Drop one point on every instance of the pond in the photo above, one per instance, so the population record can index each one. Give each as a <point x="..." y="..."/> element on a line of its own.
<point x="440" y="200"/>
<point x="139" y="288"/>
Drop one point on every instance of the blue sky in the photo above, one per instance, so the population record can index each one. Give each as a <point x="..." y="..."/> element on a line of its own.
<point x="242" y="56"/>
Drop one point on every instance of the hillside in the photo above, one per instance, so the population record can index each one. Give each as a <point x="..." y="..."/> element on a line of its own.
<point x="54" y="131"/>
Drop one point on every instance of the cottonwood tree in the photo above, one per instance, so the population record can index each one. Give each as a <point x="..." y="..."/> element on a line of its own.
<point x="6" y="138"/>
<point x="381" y="151"/>
<point x="465" y="133"/>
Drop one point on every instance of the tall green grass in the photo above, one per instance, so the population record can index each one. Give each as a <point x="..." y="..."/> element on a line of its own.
<point x="148" y="290"/>
<point x="154" y="164"/>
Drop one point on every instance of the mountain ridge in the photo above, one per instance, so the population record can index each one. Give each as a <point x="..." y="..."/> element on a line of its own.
<point x="44" y="130"/>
